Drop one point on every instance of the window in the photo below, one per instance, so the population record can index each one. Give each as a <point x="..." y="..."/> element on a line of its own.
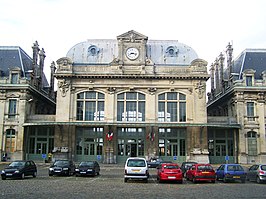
<point x="252" y="143"/>
<point x="10" y="140"/>
<point x="12" y="109"/>
<point x="172" y="107"/>
<point x="90" y="106"/>
<point x="131" y="106"/>
<point x="14" y="78"/>
<point x="249" y="80"/>
<point x="250" y="111"/>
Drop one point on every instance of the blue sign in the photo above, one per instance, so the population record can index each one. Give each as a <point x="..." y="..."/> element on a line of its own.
<point x="43" y="156"/>
<point x="175" y="158"/>
<point x="227" y="158"/>
<point x="99" y="157"/>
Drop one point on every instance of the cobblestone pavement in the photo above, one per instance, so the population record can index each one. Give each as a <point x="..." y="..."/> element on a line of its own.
<point x="110" y="184"/>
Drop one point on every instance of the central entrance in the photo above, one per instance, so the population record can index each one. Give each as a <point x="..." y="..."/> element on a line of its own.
<point x="130" y="143"/>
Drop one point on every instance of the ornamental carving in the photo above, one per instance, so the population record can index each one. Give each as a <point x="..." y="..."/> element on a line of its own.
<point x="63" y="87"/>
<point x="200" y="89"/>
<point x="64" y="64"/>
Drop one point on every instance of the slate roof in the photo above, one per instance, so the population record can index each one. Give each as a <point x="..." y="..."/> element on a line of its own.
<point x="250" y="59"/>
<point x="14" y="56"/>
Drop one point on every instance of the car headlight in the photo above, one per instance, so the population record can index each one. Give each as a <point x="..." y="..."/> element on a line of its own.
<point x="51" y="169"/>
<point x="65" y="169"/>
<point x="17" y="171"/>
<point x="76" y="169"/>
<point x="3" y="171"/>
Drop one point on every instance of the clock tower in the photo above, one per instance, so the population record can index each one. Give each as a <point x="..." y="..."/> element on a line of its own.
<point x="132" y="48"/>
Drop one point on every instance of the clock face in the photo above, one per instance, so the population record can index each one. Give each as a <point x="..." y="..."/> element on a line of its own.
<point x="132" y="53"/>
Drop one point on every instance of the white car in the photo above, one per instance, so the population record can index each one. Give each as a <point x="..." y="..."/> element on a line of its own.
<point x="136" y="168"/>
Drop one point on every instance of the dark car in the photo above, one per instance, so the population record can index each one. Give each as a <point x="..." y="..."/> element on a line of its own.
<point x="88" y="168"/>
<point x="231" y="172"/>
<point x="186" y="166"/>
<point x="19" y="169"/>
<point x="62" y="167"/>
<point x="257" y="172"/>
<point x="155" y="162"/>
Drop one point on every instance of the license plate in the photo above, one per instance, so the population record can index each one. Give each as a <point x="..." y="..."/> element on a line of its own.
<point x="9" y="174"/>
<point x="205" y="172"/>
<point x="171" y="177"/>
<point x="135" y="170"/>
<point x="57" y="171"/>
<point x="82" y="172"/>
<point x="236" y="176"/>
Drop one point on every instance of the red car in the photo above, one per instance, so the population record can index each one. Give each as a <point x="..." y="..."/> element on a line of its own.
<point x="201" y="172"/>
<point x="169" y="172"/>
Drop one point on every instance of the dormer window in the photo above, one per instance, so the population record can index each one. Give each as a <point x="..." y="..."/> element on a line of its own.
<point x="248" y="80"/>
<point x="93" y="50"/>
<point x="14" y="78"/>
<point x="171" y="51"/>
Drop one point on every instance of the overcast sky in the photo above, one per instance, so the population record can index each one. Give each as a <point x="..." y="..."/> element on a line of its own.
<point x="205" y="25"/>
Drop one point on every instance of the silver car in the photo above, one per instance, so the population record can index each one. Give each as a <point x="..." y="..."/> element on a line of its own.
<point x="257" y="172"/>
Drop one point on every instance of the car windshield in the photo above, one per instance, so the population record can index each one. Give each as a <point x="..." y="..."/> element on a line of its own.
<point x="263" y="167"/>
<point x="85" y="164"/>
<point x="61" y="163"/>
<point x="205" y="168"/>
<point x="171" y="167"/>
<point x="136" y="163"/>
<point x="234" y="168"/>
<point x="17" y="164"/>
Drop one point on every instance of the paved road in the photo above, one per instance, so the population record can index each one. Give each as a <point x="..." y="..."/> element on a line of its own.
<point x="110" y="184"/>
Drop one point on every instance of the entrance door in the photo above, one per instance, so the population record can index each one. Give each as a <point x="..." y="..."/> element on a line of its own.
<point x="132" y="150"/>
<point x="41" y="148"/>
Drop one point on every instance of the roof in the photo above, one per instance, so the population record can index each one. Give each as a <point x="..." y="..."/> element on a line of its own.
<point x="104" y="51"/>
<point x="14" y="56"/>
<point x="250" y="59"/>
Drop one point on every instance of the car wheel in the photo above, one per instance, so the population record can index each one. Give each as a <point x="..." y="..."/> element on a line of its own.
<point x="125" y="179"/>
<point x="180" y="182"/>
<point x="50" y="174"/>
<point x="258" y="180"/>
<point x="34" y="174"/>
<point x="224" y="179"/>
<point x="194" y="180"/>
<point x="146" y="180"/>
<point x="3" y="177"/>
<point x="243" y="180"/>
<point x="217" y="178"/>
<point x="213" y="181"/>
<point x="22" y="176"/>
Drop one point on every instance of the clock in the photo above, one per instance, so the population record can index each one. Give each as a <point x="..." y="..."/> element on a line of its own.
<point x="132" y="53"/>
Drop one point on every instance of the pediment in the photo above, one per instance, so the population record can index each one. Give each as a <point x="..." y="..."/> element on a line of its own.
<point x="132" y="36"/>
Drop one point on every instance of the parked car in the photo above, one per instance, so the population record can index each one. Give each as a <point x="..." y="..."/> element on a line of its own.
<point x="257" y="172"/>
<point x="169" y="172"/>
<point x="62" y="167"/>
<point x="231" y="172"/>
<point x="19" y="169"/>
<point x="201" y="172"/>
<point x="136" y="168"/>
<point x="155" y="162"/>
<point x="88" y="168"/>
<point x="186" y="166"/>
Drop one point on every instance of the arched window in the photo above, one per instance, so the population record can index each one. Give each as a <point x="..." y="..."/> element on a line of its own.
<point x="252" y="143"/>
<point x="131" y="106"/>
<point x="172" y="107"/>
<point x="90" y="106"/>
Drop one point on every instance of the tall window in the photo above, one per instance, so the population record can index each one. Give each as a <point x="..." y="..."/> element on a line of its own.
<point x="12" y="109"/>
<point x="250" y="111"/>
<point x="90" y="106"/>
<point x="131" y="106"/>
<point x="172" y="107"/>
<point x="14" y="78"/>
<point x="10" y="141"/>
<point x="252" y="143"/>
<point x="249" y="80"/>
